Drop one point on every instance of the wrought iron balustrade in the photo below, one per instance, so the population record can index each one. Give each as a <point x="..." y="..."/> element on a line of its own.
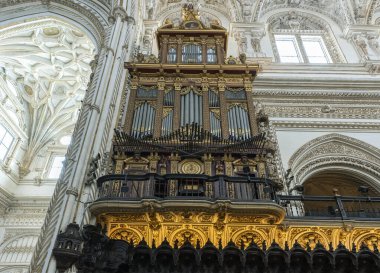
<point x="341" y="207"/>
<point x="185" y="186"/>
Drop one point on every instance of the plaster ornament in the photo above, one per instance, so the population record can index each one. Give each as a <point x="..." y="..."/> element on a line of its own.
<point x="255" y="42"/>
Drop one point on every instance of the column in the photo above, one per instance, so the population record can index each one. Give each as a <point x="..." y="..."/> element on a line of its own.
<point x="204" y="49"/>
<point x="131" y="107"/>
<point x="179" y="49"/>
<point x="164" y="50"/>
<point x="206" y="108"/>
<point x="159" y="108"/>
<point x="92" y="135"/>
<point x="223" y="108"/>
<point x="251" y="110"/>
<point x="177" y="103"/>
<point x="220" y="50"/>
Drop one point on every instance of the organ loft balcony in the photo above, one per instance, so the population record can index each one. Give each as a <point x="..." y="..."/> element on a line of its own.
<point x="189" y="170"/>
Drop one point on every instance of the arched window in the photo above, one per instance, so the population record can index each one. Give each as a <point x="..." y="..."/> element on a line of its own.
<point x="6" y="140"/>
<point x="300" y="38"/>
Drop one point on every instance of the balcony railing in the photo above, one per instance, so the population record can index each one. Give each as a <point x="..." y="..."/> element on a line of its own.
<point x="238" y="189"/>
<point x="184" y="186"/>
<point x="340" y="207"/>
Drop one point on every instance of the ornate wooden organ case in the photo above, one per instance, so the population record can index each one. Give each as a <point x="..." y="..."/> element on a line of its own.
<point x="189" y="155"/>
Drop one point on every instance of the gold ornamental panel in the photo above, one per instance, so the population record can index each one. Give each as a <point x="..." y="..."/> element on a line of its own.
<point x="239" y="226"/>
<point x="191" y="167"/>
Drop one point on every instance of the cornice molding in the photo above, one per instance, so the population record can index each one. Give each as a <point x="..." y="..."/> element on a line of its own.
<point x="326" y="125"/>
<point x="326" y="111"/>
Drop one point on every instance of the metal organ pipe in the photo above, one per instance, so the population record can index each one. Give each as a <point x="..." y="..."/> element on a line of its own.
<point x="182" y="110"/>
<point x="170" y="122"/>
<point x="241" y="123"/>
<point x="143" y="120"/>
<point x="167" y="124"/>
<point x="200" y="103"/>
<point x="235" y="114"/>
<point x="248" y="134"/>
<point x="139" y="118"/>
<point x="229" y="122"/>
<point x="151" y="121"/>
<point x="186" y="112"/>
<point x="212" y="123"/>
<point x="192" y="107"/>
<point x="235" y="121"/>
<point x="244" y="125"/>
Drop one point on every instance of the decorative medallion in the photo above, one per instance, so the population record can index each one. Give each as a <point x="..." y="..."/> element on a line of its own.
<point x="191" y="167"/>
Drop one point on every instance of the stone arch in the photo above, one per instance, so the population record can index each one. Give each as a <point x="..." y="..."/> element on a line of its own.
<point x="320" y="13"/>
<point x="10" y="249"/>
<point x="88" y="18"/>
<point x="335" y="152"/>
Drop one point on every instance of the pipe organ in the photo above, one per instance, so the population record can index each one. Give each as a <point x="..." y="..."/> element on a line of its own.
<point x="190" y="135"/>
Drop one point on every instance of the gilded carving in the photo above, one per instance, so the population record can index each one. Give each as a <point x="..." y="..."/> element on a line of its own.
<point x="247" y="237"/>
<point x="370" y="240"/>
<point x="129" y="218"/>
<point x="245" y="219"/>
<point x="190" y="235"/>
<point x="126" y="235"/>
<point x="171" y="228"/>
<point x="206" y="218"/>
<point x="191" y="167"/>
<point x="311" y="239"/>
<point x="168" y="217"/>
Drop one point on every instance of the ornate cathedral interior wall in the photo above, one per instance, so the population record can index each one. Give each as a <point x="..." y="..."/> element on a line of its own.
<point x="230" y="123"/>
